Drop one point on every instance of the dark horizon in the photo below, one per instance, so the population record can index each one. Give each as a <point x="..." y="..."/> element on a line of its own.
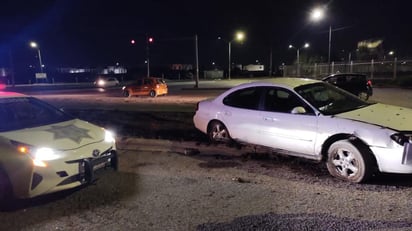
<point x="98" y="33"/>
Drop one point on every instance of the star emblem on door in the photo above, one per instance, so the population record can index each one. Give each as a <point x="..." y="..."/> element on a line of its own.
<point x="70" y="132"/>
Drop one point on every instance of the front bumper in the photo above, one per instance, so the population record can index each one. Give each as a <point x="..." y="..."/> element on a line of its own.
<point x="394" y="160"/>
<point x="89" y="166"/>
<point x="61" y="175"/>
<point x="407" y="154"/>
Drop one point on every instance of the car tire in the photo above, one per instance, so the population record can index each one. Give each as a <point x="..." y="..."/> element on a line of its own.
<point x="370" y="90"/>
<point x="5" y="188"/>
<point x="152" y="93"/>
<point x="126" y="94"/>
<point x="350" y="162"/>
<point x="218" y="132"/>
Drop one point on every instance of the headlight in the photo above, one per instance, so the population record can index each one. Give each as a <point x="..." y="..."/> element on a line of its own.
<point x="109" y="137"/>
<point x="402" y="138"/>
<point x="38" y="155"/>
<point x="45" y="154"/>
<point x="41" y="155"/>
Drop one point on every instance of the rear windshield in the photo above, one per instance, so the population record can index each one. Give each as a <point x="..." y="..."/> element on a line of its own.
<point x="27" y="112"/>
<point x="160" y="81"/>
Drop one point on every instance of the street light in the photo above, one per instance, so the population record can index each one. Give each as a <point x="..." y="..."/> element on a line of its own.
<point x="40" y="75"/>
<point x="318" y="14"/>
<point x="306" y="45"/>
<point x="34" y="45"/>
<point x="149" y="42"/>
<point x="239" y="36"/>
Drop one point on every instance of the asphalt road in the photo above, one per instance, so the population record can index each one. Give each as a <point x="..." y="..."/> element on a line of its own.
<point x="392" y="95"/>
<point x="182" y="95"/>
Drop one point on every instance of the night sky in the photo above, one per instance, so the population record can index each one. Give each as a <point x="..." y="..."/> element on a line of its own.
<point x="95" y="33"/>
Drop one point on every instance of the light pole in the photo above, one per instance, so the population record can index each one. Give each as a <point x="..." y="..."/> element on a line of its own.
<point x="306" y="45"/>
<point x="34" y="45"/>
<point x="149" y="40"/>
<point x="230" y="62"/>
<point x="318" y="14"/>
<point x="40" y="75"/>
<point x="240" y="36"/>
<point x="197" y="61"/>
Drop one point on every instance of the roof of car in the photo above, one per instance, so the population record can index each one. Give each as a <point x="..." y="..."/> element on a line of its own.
<point x="106" y="77"/>
<point x="9" y="94"/>
<point x="286" y="82"/>
<point x="151" y="77"/>
<point x="346" y="74"/>
<point x="289" y="82"/>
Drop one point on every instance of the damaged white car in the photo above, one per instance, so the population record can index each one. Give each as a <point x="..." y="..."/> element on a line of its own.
<point x="314" y="120"/>
<point x="44" y="150"/>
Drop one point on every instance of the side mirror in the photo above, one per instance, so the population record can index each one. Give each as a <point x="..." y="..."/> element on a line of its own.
<point x="298" y="110"/>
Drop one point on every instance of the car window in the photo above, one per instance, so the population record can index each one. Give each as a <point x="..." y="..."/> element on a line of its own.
<point x="247" y="98"/>
<point x="27" y="112"/>
<point x="340" y="80"/>
<point x="162" y="81"/>
<point x="357" y="79"/>
<point x="282" y="100"/>
<point x="328" y="99"/>
<point x="147" y="81"/>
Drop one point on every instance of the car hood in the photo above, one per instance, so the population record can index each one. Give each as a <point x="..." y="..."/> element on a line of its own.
<point x="394" y="117"/>
<point x="63" y="136"/>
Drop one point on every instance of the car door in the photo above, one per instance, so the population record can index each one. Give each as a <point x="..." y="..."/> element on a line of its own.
<point x="279" y="128"/>
<point x="240" y="114"/>
<point x="147" y="86"/>
<point x="136" y="88"/>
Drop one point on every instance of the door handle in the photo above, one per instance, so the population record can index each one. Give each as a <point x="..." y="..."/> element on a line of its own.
<point x="271" y="119"/>
<point x="228" y="113"/>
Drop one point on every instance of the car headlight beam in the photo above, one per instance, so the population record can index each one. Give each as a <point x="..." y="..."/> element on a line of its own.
<point x="109" y="136"/>
<point x="40" y="156"/>
<point x="101" y="82"/>
<point x="45" y="154"/>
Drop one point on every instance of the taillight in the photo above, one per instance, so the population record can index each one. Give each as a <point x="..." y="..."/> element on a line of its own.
<point x="369" y="83"/>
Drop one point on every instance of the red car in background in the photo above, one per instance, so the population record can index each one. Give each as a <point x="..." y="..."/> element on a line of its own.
<point x="149" y="86"/>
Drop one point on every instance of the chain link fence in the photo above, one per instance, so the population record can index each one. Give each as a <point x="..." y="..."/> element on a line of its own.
<point x="378" y="70"/>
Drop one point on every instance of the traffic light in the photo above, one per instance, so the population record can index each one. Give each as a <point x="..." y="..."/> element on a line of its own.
<point x="132" y="41"/>
<point x="150" y="40"/>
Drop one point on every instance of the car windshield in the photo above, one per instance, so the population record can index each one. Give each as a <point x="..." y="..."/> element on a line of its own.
<point x="328" y="99"/>
<point x="27" y="112"/>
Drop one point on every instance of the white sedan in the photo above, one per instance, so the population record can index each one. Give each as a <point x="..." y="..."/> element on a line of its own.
<point x="44" y="150"/>
<point x="314" y="120"/>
